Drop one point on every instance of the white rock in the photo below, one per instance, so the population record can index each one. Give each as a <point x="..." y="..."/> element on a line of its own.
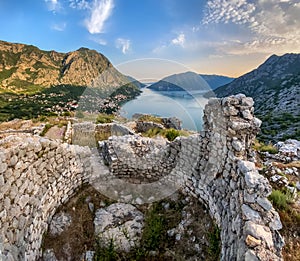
<point x="121" y="222"/>
<point x="250" y="213"/>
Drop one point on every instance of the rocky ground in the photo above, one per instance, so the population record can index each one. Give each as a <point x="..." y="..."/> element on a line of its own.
<point x="281" y="165"/>
<point x="91" y="227"/>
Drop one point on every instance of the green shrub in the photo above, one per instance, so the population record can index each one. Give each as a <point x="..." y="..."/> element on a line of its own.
<point x="108" y="253"/>
<point x="280" y="199"/>
<point x="105" y="118"/>
<point x="79" y="114"/>
<point x="171" y="134"/>
<point x="153" y="132"/>
<point x="154" y="231"/>
<point x="214" y="244"/>
<point x="262" y="147"/>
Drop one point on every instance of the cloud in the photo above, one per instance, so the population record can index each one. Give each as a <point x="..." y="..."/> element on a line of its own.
<point x="59" y="27"/>
<point x="99" y="41"/>
<point x="225" y="11"/>
<point x="123" y="44"/>
<point x="79" y="4"/>
<point x="270" y="25"/>
<point x="179" y="40"/>
<point x="53" y="5"/>
<point x="100" y="11"/>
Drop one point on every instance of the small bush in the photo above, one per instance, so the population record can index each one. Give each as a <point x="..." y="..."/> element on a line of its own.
<point x="153" y="132"/>
<point x="46" y="128"/>
<point x="214" y="244"/>
<point x="108" y="253"/>
<point x="105" y="118"/>
<point x="79" y="114"/>
<point x="280" y="199"/>
<point x="154" y="231"/>
<point x="171" y="134"/>
<point x="262" y="147"/>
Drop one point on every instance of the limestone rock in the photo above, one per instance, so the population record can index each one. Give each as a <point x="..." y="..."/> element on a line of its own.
<point x="120" y="222"/>
<point x="59" y="223"/>
<point x="252" y="241"/>
<point x="49" y="255"/>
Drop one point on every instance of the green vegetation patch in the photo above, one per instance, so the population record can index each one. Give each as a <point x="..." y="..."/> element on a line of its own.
<point x="170" y="134"/>
<point x="281" y="199"/>
<point x="7" y="73"/>
<point x="105" y="118"/>
<point x="262" y="147"/>
<point x="46" y="128"/>
<point x="150" y="118"/>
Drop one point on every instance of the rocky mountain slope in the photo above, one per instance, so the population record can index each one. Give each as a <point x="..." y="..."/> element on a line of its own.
<point x="24" y="67"/>
<point x="35" y="82"/>
<point x="275" y="88"/>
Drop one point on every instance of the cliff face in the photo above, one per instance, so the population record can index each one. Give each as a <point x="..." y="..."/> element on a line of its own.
<point x="23" y="66"/>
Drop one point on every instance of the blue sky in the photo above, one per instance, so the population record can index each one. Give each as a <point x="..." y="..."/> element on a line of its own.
<point x="216" y="36"/>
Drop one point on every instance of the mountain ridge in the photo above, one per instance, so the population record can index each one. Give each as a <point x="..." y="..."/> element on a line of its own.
<point x="35" y="82"/>
<point x="24" y="65"/>
<point x="189" y="81"/>
<point x="275" y="88"/>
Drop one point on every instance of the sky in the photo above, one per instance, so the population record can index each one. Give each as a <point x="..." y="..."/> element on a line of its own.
<point x="211" y="37"/>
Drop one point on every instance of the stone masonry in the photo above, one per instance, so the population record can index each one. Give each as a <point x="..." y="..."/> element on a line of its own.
<point x="37" y="175"/>
<point x="215" y="166"/>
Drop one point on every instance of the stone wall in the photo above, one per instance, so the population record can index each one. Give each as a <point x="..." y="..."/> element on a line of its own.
<point x="37" y="175"/>
<point x="216" y="166"/>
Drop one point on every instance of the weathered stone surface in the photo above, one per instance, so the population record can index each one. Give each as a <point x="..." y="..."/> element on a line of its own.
<point x="121" y="222"/>
<point x="259" y="232"/>
<point x="252" y="241"/>
<point x="265" y="203"/>
<point x="49" y="255"/>
<point x="251" y="256"/>
<point x="250" y="214"/>
<point x="59" y="223"/>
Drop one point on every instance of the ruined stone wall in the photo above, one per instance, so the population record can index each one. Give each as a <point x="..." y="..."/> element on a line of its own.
<point x="217" y="167"/>
<point x="138" y="159"/>
<point x="37" y="175"/>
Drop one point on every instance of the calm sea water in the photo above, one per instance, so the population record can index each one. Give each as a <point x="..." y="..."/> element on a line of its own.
<point x="188" y="108"/>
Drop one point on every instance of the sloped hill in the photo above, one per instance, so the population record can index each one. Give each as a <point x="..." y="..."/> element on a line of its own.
<point x="275" y="88"/>
<point x="214" y="81"/>
<point x="25" y="67"/>
<point x="34" y="82"/>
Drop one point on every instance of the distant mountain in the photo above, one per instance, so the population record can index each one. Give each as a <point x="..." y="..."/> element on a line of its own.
<point x="188" y="81"/>
<point x="215" y="81"/>
<point x="275" y="88"/>
<point x="135" y="82"/>
<point x="25" y="68"/>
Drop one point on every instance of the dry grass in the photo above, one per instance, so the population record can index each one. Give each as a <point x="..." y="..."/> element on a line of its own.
<point x="18" y="125"/>
<point x="79" y="237"/>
